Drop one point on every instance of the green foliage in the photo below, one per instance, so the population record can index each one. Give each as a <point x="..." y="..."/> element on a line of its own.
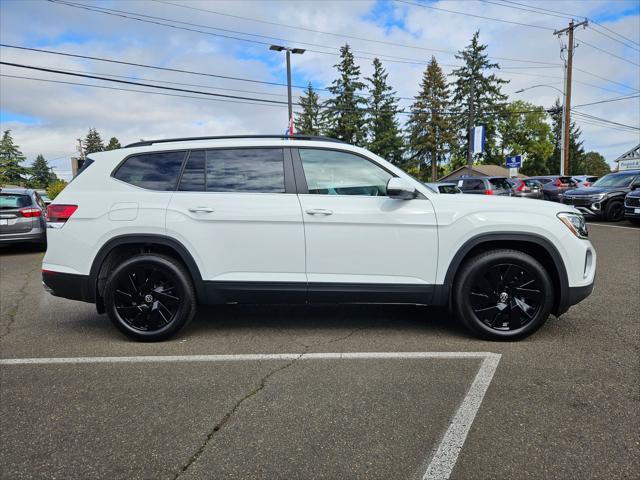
<point x="55" y="188"/>
<point x="41" y="174"/>
<point x="595" y="164"/>
<point x="474" y="88"/>
<point x="524" y="130"/>
<point x="344" y="115"/>
<point x="113" y="144"/>
<point x="92" y="142"/>
<point x="430" y="130"/>
<point x="383" y="131"/>
<point x="309" y="120"/>
<point x="576" y="150"/>
<point x="11" y="158"/>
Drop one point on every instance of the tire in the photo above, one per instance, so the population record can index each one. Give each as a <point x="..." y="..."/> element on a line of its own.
<point x="547" y="197"/>
<point x="149" y="297"/>
<point x="614" y="211"/>
<point x="490" y="298"/>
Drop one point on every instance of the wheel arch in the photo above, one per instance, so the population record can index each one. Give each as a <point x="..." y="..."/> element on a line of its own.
<point x="533" y="244"/>
<point x="122" y="245"/>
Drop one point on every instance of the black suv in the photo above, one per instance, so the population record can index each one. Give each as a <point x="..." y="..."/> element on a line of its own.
<point x="632" y="206"/>
<point x="605" y="198"/>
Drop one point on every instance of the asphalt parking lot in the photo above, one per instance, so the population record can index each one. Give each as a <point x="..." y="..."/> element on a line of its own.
<point x="564" y="403"/>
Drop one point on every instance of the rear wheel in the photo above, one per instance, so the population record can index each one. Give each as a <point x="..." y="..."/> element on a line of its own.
<point x="614" y="211"/>
<point x="149" y="297"/>
<point x="503" y="295"/>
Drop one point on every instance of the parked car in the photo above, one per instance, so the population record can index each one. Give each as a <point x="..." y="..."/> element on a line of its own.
<point x="526" y="187"/>
<point x="605" y="198"/>
<point x="44" y="196"/>
<point x="444" y="187"/>
<point x="584" y="180"/>
<point x="632" y="205"/>
<point x="150" y="231"/>
<point x="555" y="186"/>
<point x="485" y="186"/>
<point x="22" y="216"/>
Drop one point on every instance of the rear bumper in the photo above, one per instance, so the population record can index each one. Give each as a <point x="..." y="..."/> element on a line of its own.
<point x="37" y="235"/>
<point x="68" y="285"/>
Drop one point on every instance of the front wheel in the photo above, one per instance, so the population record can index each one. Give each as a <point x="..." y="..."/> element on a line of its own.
<point x="614" y="211"/>
<point x="149" y="297"/>
<point x="503" y="295"/>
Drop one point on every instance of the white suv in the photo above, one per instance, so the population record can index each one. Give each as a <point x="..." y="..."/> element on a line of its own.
<point x="149" y="231"/>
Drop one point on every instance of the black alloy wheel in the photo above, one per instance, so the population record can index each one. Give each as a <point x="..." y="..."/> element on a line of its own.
<point x="614" y="212"/>
<point x="149" y="297"/>
<point x="503" y="294"/>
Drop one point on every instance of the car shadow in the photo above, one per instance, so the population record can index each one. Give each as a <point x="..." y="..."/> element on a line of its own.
<point x="20" y="249"/>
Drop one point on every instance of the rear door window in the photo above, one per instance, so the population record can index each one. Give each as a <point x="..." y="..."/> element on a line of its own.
<point x="153" y="171"/>
<point x="472" y="184"/>
<point x="242" y="170"/>
<point x="499" y="184"/>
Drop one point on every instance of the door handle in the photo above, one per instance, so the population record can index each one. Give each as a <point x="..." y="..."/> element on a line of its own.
<point x="319" y="211"/>
<point x="201" y="210"/>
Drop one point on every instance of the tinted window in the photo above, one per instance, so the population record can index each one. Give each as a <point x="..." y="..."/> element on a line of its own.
<point x="154" y="171"/>
<point x="193" y="173"/>
<point x="330" y="172"/>
<point x="10" y="200"/>
<point x="543" y="180"/>
<point x="258" y="170"/>
<point x="472" y="184"/>
<point x="499" y="184"/>
<point x="616" y="180"/>
<point x="448" y="189"/>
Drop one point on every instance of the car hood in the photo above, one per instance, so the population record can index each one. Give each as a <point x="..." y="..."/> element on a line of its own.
<point x="586" y="191"/>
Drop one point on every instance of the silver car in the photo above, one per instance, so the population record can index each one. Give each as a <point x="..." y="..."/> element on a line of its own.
<point x="22" y="216"/>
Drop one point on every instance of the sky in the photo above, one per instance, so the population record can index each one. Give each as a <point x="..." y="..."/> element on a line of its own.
<point x="217" y="38"/>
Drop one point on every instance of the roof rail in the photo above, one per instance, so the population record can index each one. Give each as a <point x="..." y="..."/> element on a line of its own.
<point x="145" y="143"/>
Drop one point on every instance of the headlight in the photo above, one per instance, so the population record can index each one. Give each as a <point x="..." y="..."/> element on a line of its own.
<point x="598" y="196"/>
<point x="574" y="222"/>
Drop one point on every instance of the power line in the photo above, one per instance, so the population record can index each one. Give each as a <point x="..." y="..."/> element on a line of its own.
<point x="604" y="120"/>
<point x="582" y="42"/>
<point x="335" y="34"/>
<point x="474" y="16"/>
<point x="605" y="79"/>
<point x="616" y="33"/>
<point x="388" y="58"/>
<point x="616" y="99"/>
<point x="128" y="82"/>
<point x="525" y="9"/>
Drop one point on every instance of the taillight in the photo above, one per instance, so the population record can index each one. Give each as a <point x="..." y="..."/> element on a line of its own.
<point x="520" y="186"/>
<point x="488" y="192"/>
<point x="60" y="213"/>
<point x="30" y="212"/>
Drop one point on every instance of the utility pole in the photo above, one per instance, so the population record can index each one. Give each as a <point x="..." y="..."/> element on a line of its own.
<point x="289" y="51"/>
<point x="471" y="121"/>
<point x="566" y="108"/>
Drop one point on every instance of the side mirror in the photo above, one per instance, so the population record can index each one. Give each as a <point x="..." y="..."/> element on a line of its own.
<point x="400" y="189"/>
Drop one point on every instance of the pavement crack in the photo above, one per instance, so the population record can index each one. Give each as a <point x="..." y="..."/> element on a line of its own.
<point x="13" y="310"/>
<point x="218" y="426"/>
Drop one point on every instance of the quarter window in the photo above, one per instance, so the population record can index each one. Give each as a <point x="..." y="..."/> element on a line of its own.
<point x="329" y="172"/>
<point x="248" y="170"/>
<point x="154" y="171"/>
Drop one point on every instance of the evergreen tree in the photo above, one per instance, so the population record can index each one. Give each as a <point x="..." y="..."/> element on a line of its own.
<point x="476" y="89"/>
<point x="308" y="121"/>
<point x="595" y="164"/>
<point x="344" y="115"/>
<point x="41" y="175"/>
<point x="430" y="129"/>
<point x="525" y="131"/>
<point x="576" y="150"/>
<point x="383" y="131"/>
<point x="11" y="158"/>
<point x="113" y="144"/>
<point x="93" y="142"/>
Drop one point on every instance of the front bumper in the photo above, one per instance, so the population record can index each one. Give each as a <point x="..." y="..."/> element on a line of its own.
<point x="68" y="285"/>
<point x="586" y="206"/>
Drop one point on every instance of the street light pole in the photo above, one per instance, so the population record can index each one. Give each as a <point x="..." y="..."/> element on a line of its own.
<point x="289" y="51"/>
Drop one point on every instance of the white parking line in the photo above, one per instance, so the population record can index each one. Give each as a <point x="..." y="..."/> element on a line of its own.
<point x="443" y="460"/>
<point x="613" y="226"/>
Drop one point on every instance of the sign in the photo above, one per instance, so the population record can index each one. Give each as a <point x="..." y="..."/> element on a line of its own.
<point x="631" y="164"/>
<point x="514" y="161"/>
<point x="477" y="139"/>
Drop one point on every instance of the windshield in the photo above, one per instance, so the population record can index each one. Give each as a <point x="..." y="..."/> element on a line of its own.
<point x="616" y="180"/>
